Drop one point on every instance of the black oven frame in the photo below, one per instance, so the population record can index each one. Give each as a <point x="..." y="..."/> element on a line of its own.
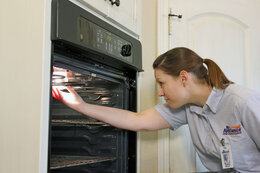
<point x="65" y="43"/>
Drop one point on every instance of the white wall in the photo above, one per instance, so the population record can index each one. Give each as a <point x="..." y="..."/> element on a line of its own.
<point x="21" y="53"/>
<point x="149" y="140"/>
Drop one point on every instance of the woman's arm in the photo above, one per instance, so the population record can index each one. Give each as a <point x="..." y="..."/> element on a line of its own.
<point x="250" y="118"/>
<point x="147" y="120"/>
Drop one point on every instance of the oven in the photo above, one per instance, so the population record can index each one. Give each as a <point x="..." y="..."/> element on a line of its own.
<point x="101" y="63"/>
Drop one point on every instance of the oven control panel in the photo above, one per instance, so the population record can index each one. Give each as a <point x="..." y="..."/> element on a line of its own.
<point x="99" y="38"/>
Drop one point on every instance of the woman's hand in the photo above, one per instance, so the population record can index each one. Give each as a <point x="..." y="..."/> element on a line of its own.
<point x="68" y="96"/>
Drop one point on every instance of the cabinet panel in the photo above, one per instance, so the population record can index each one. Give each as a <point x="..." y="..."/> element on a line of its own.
<point x="99" y="6"/>
<point x="128" y="14"/>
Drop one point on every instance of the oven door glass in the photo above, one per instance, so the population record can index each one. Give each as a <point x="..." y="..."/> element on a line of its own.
<point x="81" y="144"/>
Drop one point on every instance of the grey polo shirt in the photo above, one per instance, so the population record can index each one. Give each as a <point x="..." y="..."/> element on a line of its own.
<point x="232" y="114"/>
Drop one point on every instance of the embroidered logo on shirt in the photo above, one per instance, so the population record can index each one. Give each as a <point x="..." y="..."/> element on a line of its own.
<point x="232" y="130"/>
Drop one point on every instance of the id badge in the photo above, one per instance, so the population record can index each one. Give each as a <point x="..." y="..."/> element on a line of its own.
<point x="226" y="156"/>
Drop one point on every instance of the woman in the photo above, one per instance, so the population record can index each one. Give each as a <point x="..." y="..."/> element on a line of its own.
<point x="224" y="118"/>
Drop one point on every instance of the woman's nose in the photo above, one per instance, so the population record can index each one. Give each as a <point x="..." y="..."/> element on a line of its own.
<point x="161" y="93"/>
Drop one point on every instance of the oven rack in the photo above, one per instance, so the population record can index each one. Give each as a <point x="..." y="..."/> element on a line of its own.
<point x="65" y="161"/>
<point x="78" y="122"/>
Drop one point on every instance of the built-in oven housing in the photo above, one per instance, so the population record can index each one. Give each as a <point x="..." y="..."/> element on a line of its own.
<point x="100" y="62"/>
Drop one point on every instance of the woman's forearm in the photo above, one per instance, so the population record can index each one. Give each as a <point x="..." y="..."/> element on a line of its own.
<point x="116" y="117"/>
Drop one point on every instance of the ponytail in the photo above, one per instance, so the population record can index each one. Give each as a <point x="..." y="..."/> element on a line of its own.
<point x="215" y="76"/>
<point x="175" y="60"/>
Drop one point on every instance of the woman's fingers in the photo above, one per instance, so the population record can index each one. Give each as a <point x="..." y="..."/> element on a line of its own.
<point x="56" y="93"/>
<point x="66" y="95"/>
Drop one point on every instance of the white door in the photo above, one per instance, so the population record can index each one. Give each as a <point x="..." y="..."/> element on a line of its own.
<point x="226" y="32"/>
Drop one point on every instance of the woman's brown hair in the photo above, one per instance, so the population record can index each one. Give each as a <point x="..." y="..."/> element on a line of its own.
<point x="175" y="60"/>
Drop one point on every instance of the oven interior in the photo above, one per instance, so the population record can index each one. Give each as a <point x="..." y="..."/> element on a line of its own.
<point x="82" y="144"/>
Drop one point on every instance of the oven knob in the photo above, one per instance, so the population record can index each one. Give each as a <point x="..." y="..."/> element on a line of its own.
<point x="126" y="50"/>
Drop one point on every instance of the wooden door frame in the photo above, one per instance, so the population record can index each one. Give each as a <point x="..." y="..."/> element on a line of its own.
<point x="162" y="46"/>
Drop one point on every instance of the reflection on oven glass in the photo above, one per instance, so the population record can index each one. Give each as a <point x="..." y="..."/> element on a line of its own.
<point x="92" y="89"/>
<point x="59" y="76"/>
<point x="64" y="77"/>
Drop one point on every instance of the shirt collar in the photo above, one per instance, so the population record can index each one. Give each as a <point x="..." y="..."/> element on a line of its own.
<point x="211" y="103"/>
<point x="214" y="99"/>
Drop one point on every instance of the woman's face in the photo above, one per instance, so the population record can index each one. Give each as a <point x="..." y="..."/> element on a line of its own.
<point x="171" y="88"/>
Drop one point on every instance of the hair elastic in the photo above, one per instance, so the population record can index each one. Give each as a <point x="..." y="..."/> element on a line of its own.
<point x="205" y="65"/>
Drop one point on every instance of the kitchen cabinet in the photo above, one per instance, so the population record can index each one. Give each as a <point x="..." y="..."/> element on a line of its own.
<point x="126" y="14"/>
<point x="99" y="6"/>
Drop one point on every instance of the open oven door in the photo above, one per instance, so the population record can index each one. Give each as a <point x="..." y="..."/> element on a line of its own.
<point x="81" y="144"/>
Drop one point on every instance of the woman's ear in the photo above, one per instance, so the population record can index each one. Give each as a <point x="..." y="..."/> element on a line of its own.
<point x="184" y="76"/>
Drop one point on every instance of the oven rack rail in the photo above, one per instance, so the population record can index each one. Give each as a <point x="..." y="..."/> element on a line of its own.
<point x="78" y="122"/>
<point x="62" y="161"/>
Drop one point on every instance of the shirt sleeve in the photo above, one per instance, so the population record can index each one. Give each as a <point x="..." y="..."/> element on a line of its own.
<point x="250" y="118"/>
<point x="175" y="117"/>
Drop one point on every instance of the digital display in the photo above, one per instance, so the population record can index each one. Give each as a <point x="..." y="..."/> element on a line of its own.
<point x="97" y="37"/>
<point x="108" y="38"/>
